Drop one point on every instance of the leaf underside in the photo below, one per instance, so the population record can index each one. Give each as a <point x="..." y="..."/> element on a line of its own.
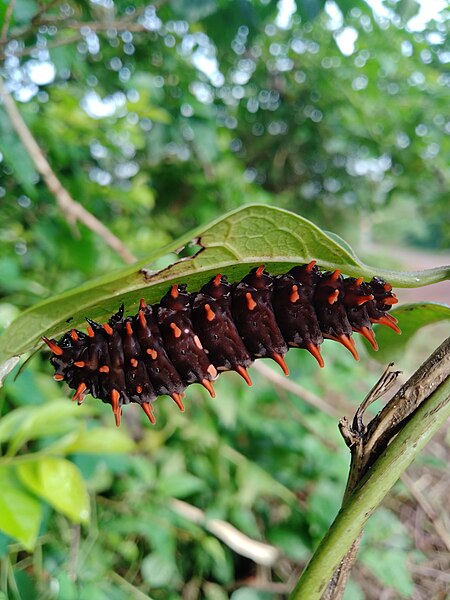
<point x="411" y="317"/>
<point x="245" y="238"/>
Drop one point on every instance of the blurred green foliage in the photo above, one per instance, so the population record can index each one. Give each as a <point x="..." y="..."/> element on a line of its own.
<point x="158" y="119"/>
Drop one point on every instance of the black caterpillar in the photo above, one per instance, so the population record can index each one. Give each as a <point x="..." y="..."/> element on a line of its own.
<point x="190" y="337"/>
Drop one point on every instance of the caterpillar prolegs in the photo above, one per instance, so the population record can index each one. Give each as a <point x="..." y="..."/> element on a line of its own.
<point x="191" y="337"/>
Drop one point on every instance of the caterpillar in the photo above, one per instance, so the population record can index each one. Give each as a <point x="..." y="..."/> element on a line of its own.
<point x="191" y="337"/>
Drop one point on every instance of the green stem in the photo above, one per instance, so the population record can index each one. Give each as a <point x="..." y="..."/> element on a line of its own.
<point x="409" y="279"/>
<point x="400" y="453"/>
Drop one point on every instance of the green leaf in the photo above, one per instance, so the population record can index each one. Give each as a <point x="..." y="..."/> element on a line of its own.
<point x="157" y="114"/>
<point x="220" y="565"/>
<point x="7" y="367"/>
<point x="3" y="6"/>
<point x="246" y="593"/>
<point x="101" y="440"/>
<point x="243" y="239"/>
<point x="310" y="9"/>
<point x="31" y="423"/>
<point x="194" y="11"/>
<point x="157" y="570"/>
<point x="407" y="9"/>
<point x="20" y="512"/>
<point x="60" y="483"/>
<point x="411" y="318"/>
<point x="11" y="423"/>
<point x="180" y="485"/>
<point x="24" y="11"/>
<point x="213" y="591"/>
<point x="16" y="156"/>
<point x="234" y="13"/>
<point x="5" y="540"/>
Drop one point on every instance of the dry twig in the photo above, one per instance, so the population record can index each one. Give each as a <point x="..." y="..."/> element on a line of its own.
<point x="259" y="552"/>
<point x="73" y="211"/>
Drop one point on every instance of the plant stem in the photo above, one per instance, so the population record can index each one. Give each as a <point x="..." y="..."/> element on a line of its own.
<point x="425" y="421"/>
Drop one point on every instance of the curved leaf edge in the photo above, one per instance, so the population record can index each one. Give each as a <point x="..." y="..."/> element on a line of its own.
<point x="126" y="284"/>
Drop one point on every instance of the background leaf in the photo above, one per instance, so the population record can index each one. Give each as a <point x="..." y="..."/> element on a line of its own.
<point x="20" y="512"/>
<point x="16" y="156"/>
<point x="60" y="483"/>
<point x="411" y="318"/>
<point x="101" y="440"/>
<point x="34" y="422"/>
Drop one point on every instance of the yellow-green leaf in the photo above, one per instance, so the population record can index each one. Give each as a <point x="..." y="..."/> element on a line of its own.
<point x="33" y="422"/>
<point x="20" y="511"/>
<point x="411" y="318"/>
<point x="58" y="481"/>
<point x="101" y="440"/>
